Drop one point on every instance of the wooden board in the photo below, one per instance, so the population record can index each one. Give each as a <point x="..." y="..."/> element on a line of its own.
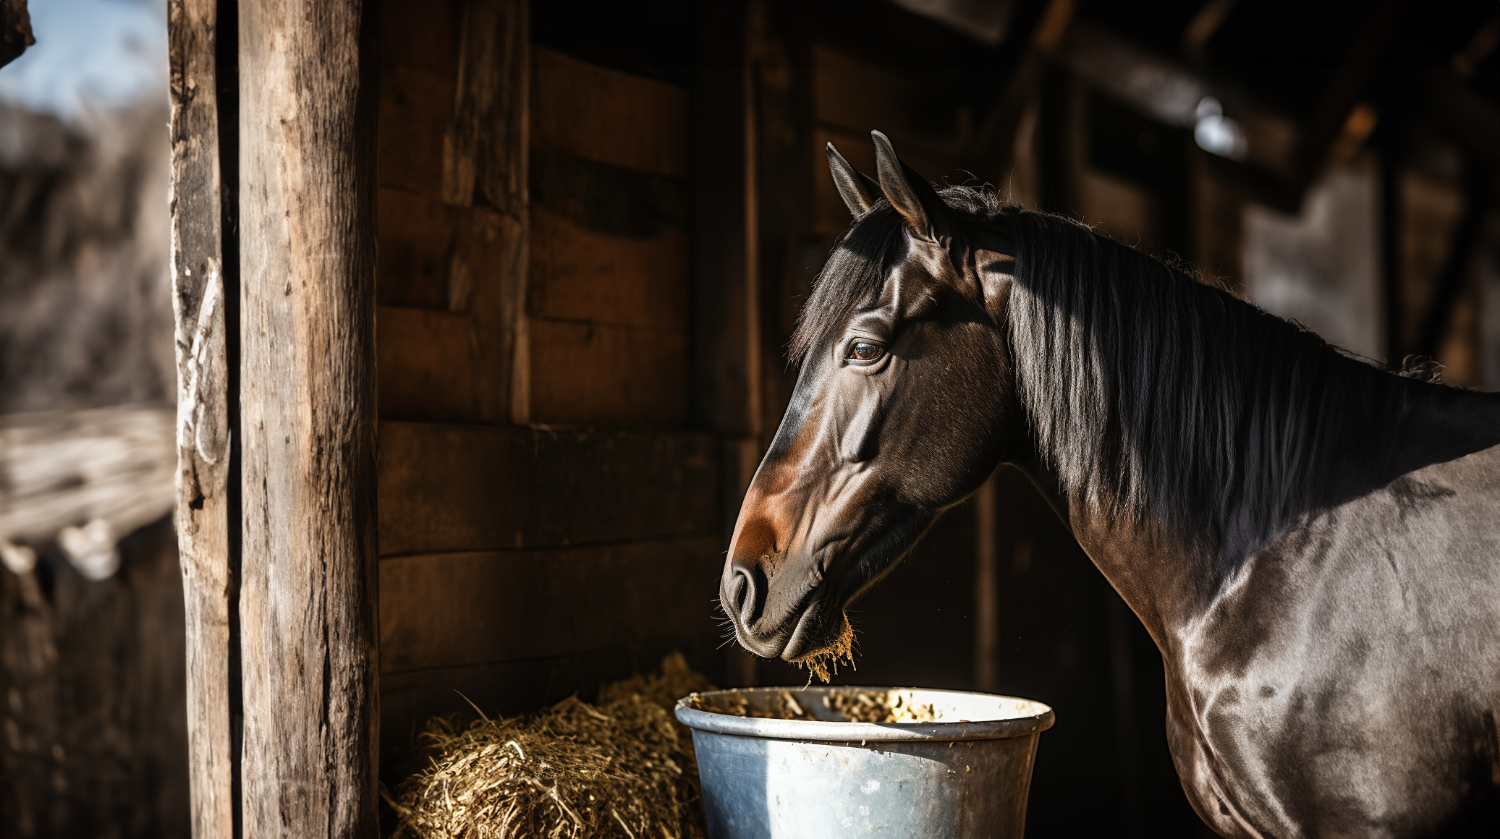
<point x="416" y="108"/>
<point x="630" y="121"/>
<point x="860" y="97"/>
<point x="608" y="298"/>
<point x="201" y="293"/>
<point x="416" y="250"/>
<point x="484" y="148"/>
<point x="472" y="488"/>
<point x="426" y="365"/>
<point x="582" y="274"/>
<point x="419" y="33"/>
<point x="445" y="610"/>
<point x="726" y="272"/>
<point x="589" y="373"/>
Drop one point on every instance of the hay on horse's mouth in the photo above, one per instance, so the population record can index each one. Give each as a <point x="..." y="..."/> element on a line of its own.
<point x="622" y="769"/>
<point x="820" y="662"/>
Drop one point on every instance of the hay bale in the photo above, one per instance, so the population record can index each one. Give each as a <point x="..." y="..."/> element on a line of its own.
<point x="622" y="769"/>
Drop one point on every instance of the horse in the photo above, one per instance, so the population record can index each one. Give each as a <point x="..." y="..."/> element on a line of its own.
<point x="1312" y="541"/>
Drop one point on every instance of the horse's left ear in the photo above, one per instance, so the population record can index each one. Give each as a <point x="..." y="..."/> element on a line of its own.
<point x="912" y="196"/>
<point x="855" y="187"/>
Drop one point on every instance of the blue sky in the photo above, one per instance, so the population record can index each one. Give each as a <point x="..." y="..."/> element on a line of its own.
<point x="90" y="55"/>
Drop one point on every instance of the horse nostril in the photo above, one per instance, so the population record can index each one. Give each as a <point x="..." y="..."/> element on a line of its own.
<point x="744" y="590"/>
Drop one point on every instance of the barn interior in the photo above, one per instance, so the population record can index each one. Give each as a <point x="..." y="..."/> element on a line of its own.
<point x="595" y="224"/>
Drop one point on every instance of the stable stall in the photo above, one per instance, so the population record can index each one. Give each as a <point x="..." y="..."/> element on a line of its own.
<point x="482" y="308"/>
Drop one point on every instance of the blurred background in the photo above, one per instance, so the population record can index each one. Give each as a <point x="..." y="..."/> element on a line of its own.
<point x="557" y="517"/>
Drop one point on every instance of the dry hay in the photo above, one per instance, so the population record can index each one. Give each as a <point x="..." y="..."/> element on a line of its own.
<point x="737" y="705"/>
<point x="819" y="662"/>
<point x="623" y="769"/>
<point x="881" y="706"/>
<point x="853" y="704"/>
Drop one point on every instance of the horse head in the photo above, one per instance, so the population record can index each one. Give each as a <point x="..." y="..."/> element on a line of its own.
<point x="903" y="406"/>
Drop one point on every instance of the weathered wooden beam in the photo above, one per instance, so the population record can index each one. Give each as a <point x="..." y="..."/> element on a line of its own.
<point x="485" y="152"/>
<point x="1466" y="236"/>
<point x="726" y="338"/>
<point x="480" y="165"/>
<point x="308" y="596"/>
<point x="726" y="349"/>
<point x="987" y="587"/>
<point x="205" y="502"/>
<point x="994" y="142"/>
<point x="1339" y="98"/>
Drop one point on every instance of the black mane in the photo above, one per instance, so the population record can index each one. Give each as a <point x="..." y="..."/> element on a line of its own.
<point x="1146" y="389"/>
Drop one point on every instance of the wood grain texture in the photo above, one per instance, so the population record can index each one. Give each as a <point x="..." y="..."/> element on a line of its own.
<point x="485" y="152"/>
<point x="476" y="488"/>
<point x="591" y="373"/>
<point x="455" y="273"/>
<point x="484" y="149"/>
<point x="416" y="107"/>
<point x="426" y="366"/>
<point x="308" y="600"/>
<point x="203" y="425"/>
<point x="583" y="274"/>
<point x="631" y="121"/>
<point x="456" y="609"/>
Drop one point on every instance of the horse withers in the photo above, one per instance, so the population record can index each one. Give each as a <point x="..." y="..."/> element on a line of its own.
<point x="1312" y="542"/>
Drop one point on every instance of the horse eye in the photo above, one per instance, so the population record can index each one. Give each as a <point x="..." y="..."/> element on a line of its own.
<point x="865" y="351"/>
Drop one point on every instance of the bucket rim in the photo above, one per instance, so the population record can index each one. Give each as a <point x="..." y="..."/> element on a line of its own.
<point x="844" y="732"/>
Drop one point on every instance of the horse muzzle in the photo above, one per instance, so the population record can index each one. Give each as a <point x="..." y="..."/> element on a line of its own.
<point x="779" y="602"/>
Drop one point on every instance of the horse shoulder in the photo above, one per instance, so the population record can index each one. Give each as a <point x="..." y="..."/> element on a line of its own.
<point x="1344" y="673"/>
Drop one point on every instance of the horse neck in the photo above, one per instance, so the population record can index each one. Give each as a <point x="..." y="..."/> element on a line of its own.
<point x="1309" y="429"/>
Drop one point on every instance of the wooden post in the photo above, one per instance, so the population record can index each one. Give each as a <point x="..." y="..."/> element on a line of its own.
<point x="308" y="608"/>
<point x="276" y="413"/>
<point x="726" y="319"/>
<point x="987" y="587"/>
<point x="205" y="508"/>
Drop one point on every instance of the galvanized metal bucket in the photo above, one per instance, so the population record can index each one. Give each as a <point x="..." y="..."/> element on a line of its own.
<point x="964" y="775"/>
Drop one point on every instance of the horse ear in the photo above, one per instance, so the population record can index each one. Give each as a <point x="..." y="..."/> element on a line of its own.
<point x="856" y="188"/>
<point x="910" y="193"/>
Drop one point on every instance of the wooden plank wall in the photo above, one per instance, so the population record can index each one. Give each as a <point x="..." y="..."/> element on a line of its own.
<point x="608" y="280"/>
<point x="547" y="519"/>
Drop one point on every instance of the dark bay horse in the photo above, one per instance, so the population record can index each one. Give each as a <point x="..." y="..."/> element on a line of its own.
<point x="1313" y="543"/>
